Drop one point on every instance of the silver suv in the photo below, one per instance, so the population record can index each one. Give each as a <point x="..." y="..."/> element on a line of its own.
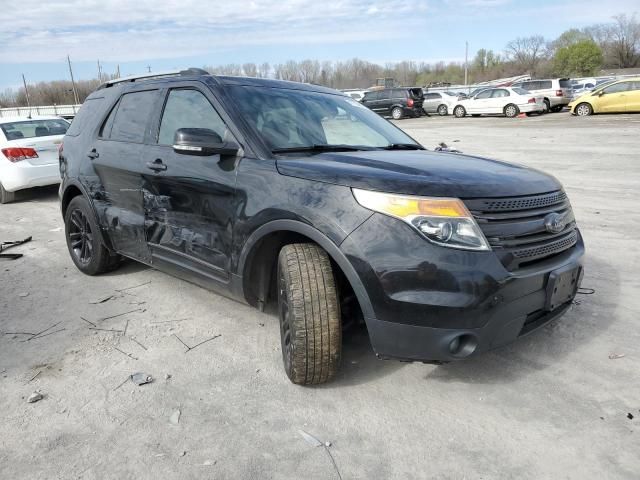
<point x="557" y="92"/>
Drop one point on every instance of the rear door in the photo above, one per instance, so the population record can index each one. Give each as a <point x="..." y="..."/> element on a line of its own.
<point x="431" y="102"/>
<point x="499" y="99"/>
<point x="188" y="204"/>
<point x="633" y="102"/>
<point x="117" y="156"/>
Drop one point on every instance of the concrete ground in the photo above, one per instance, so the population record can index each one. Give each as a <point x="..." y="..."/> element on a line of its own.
<point x="553" y="405"/>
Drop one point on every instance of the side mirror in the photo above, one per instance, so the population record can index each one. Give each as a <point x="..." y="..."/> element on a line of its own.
<point x="202" y="141"/>
<point x="601" y="93"/>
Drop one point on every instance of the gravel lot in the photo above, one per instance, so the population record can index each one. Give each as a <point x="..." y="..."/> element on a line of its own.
<point x="553" y="405"/>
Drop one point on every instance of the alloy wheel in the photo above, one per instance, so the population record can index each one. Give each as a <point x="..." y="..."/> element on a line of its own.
<point x="81" y="237"/>
<point x="285" y="322"/>
<point x="583" y="110"/>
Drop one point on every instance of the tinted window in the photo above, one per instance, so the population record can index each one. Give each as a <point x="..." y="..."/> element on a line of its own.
<point x="131" y="116"/>
<point x="89" y="110"/>
<point x="188" y="109"/>
<point x="618" y="87"/>
<point x="529" y="85"/>
<point x="34" y="128"/>
<point x="565" y="83"/>
<point x="385" y="94"/>
<point x="499" y="93"/>
<point x="545" y="84"/>
<point x="484" y="94"/>
<point x="416" y="93"/>
<point x="432" y="96"/>
<point x="371" y="96"/>
<point x="521" y="91"/>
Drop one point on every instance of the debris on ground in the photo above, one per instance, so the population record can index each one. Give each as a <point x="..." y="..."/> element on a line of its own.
<point x="23" y="294"/>
<point x="167" y="376"/>
<point x="208" y="463"/>
<point x="37" y="396"/>
<point x="615" y="356"/>
<point x="310" y="439"/>
<point x="125" y="353"/>
<point x="174" y="419"/>
<point x="103" y="299"/>
<point x="141" y="378"/>
<point x="443" y="147"/>
<point x="630" y="416"/>
<point x="196" y="345"/>
<point x="7" y="245"/>
<point x="182" y="453"/>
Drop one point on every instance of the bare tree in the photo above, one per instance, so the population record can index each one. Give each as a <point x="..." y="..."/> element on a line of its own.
<point x="527" y="52"/>
<point x="624" y="41"/>
<point x="250" y="69"/>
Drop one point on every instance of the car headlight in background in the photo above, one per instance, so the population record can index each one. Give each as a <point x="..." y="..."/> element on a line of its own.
<point x="444" y="221"/>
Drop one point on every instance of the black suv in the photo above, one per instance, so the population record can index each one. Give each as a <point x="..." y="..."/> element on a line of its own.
<point x="396" y="102"/>
<point x="267" y="190"/>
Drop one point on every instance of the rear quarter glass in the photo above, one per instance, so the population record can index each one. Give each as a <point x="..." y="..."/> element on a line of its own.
<point x="88" y="113"/>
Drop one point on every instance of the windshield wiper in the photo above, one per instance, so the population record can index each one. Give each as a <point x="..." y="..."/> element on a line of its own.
<point x="322" y="148"/>
<point x="402" y="146"/>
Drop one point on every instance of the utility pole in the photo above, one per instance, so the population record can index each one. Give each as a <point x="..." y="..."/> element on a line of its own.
<point x="99" y="72"/>
<point x="149" y="68"/>
<point x="118" y="71"/>
<point x="26" y="93"/>
<point x="466" y="63"/>
<point x="73" y="82"/>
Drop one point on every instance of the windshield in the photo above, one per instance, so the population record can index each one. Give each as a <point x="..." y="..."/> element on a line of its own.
<point x="34" y="128"/>
<point x="297" y="120"/>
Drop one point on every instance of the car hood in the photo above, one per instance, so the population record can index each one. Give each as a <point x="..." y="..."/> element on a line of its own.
<point x="420" y="172"/>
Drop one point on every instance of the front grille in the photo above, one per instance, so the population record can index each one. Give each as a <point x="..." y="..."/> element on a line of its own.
<point x="515" y="227"/>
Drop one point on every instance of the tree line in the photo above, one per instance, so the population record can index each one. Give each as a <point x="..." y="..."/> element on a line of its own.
<point x="575" y="53"/>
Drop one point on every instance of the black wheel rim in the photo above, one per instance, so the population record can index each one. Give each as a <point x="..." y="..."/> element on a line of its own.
<point x="80" y="237"/>
<point x="285" y="322"/>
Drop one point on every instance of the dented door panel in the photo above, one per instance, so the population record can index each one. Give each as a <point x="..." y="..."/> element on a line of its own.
<point x="188" y="209"/>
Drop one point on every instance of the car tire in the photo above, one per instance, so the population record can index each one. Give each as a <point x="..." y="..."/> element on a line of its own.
<point x="547" y="106"/>
<point x="459" y="111"/>
<point x="6" y="197"/>
<point x="396" y="113"/>
<point x="511" y="111"/>
<point x="309" y="312"/>
<point x="557" y="108"/>
<point x="84" y="239"/>
<point x="583" y="109"/>
<point x="443" y="110"/>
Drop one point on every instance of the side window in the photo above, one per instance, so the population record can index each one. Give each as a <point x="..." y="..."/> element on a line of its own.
<point x="635" y="86"/>
<point x="105" y="130"/>
<point x="484" y="94"/>
<point x="188" y="109"/>
<point x="499" y="93"/>
<point x="371" y="96"/>
<point x="618" y="87"/>
<point x="88" y="112"/>
<point x="385" y="94"/>
<point x="545" y="84"/>
<point x="132" y="115"/>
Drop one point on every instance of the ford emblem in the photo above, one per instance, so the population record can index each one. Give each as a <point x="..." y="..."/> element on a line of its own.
<point x="554" y="223"/>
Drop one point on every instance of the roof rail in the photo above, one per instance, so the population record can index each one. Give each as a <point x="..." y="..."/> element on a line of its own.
<point x="146" y="76"/>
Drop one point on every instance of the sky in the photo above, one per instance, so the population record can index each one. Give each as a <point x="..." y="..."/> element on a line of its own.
<point x="37" y="35"/>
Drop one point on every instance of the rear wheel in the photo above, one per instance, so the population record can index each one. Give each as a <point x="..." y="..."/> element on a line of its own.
<point x="557" y="108"/>
<point x="459" y="111"/>
<point x="547" y="106"/>
<point x="584" y="110"/>
<point x="443" y="110"/>
<point x="84" y="239"/>
<point x="396" y="113"/>
<point x="310" y="326"/>
<point x="511" y="110"/>
<point x="6" y="197"/>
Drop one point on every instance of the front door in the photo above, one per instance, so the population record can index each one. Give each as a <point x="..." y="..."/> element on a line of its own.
<point x="189" y="199"/>
<point x="480" y="103"/>
<point x="613" y="98"/>
<point x="633" y="102"/>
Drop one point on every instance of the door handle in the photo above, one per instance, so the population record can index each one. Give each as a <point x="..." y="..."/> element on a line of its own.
<point x="156" y="165"/>
<point x="93" y="154"/>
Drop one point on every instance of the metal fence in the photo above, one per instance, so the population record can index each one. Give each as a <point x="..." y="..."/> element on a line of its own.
<point x="57" y="110"/>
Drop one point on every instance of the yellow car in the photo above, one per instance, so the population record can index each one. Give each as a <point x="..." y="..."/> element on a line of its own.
<point x="617" y="97"/>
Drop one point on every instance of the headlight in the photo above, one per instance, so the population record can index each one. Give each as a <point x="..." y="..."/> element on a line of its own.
<point x="444" y="221"/>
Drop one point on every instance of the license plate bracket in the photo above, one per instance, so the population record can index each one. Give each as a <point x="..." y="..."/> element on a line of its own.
<point x="562" y="286"/>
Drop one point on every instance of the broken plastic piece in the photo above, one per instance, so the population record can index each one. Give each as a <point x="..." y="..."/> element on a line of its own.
<point x="141" y="378"/>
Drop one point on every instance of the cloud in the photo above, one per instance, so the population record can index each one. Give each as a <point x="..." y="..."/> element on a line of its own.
<point x="119" y="30"/>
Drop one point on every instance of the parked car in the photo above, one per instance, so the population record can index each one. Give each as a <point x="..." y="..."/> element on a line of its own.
<point x="556" y="92"/>
<point x="617" y="97"/>
<point x="272" y="191"/>
<point x="441" y="103"/>
<point x="500" y="101"/>
<point x="355" y="94"/>
<point x="589" y="87"/>
<point x="396" y="102"/>
<point x="29" y="153"/>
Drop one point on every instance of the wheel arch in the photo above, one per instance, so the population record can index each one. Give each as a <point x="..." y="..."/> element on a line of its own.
<point x="258" y="261"/>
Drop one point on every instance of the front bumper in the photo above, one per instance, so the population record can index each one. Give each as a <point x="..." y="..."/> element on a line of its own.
<point x="438" y="304"/>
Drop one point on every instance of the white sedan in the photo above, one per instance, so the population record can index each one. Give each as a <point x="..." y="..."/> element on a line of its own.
<point x="505" y="101"/>
<point x="29" y="153"/>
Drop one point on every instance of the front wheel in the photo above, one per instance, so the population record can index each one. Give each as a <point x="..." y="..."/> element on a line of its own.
<point x="511" y="110"/>
<point x="310" y="325"/>
<point x="442" y="110"/>
<point x="396" y="113"/>
<point x="84" y="239"/>
<point x="584" y="110"/>
<point x="459" y="111"/>
<point x="6" y="197"/>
